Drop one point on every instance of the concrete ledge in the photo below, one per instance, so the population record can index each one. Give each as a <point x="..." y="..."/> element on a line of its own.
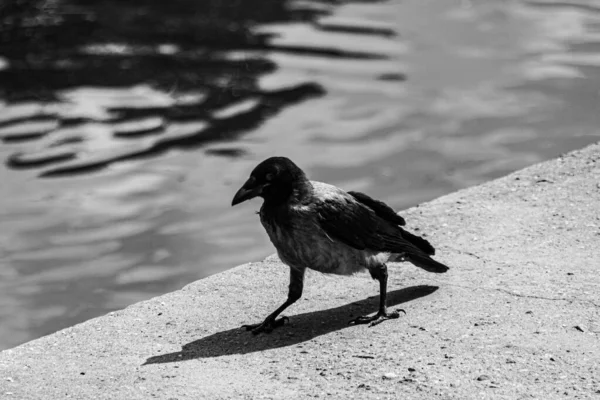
<point x="518" y="316"/>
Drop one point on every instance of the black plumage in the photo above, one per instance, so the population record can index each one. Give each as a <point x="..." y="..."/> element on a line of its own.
<point x="319" y="226"/>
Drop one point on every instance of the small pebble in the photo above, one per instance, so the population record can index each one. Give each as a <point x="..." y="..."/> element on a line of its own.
<point x="389" y="375"/>
<point x="483" y="378"/>
<point x="411" y="370"/>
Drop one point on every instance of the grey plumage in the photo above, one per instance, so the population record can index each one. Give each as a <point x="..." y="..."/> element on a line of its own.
<point x="319" y="226"/>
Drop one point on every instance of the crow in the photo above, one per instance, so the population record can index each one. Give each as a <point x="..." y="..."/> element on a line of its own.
<point x="320" y="226"/>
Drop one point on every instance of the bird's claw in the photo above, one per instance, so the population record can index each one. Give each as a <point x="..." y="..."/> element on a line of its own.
<point x="377" y="318"/>
<point x="266" y="326"/>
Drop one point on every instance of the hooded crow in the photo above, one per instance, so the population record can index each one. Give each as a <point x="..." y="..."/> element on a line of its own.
<point x="319" y="226"/>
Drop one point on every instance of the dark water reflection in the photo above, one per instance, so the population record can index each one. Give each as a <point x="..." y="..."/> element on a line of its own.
<point x="125" y="129"/>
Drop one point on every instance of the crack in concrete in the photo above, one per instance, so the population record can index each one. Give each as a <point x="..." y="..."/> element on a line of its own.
<point x="533" y="296"/>
<point x="569" y="300"/>
<point x="591" y="302"/>
<point x="480" y="258"/>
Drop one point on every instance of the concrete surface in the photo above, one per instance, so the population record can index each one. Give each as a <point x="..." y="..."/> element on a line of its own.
<point x="517" y="317"/>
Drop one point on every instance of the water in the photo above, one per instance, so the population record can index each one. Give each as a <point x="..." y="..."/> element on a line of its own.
<point x="125" y="130"/>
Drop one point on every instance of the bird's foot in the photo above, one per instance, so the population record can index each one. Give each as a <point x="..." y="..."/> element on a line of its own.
<point x="377" y="318"/>
<point x="266" y="326"/>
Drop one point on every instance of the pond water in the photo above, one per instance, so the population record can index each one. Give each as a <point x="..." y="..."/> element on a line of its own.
<point x="125" y="130"/>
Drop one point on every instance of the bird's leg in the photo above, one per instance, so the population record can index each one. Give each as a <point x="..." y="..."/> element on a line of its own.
<point x="381" y="274"/>
<point x="295" y="292"/>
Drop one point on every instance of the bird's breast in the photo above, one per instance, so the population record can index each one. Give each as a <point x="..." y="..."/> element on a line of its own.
<point x="302" y="243"/>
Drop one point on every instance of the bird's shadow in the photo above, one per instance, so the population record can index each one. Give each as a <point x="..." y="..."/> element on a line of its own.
<point x="301" y="328"/>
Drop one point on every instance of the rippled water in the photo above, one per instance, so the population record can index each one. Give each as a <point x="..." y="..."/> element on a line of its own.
<point x="125" y="130"/>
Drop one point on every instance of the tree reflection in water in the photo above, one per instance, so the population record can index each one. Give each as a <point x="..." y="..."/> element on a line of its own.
<point x="90" y="83"/>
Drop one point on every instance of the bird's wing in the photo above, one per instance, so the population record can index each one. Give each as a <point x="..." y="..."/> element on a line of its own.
<point x="349" y="221"/>
<point x="381" y="209"/>
<point x="387" y="213"/>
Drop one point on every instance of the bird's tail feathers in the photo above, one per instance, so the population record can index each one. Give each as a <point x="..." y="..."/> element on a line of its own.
<point x="427" y="263"/>
<point x="418" y="242"/>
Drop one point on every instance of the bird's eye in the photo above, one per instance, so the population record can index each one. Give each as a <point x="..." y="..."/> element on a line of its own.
<point x="269" y="176"/>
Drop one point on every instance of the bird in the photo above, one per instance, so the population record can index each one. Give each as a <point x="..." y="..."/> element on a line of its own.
<point x="318" y="226"/>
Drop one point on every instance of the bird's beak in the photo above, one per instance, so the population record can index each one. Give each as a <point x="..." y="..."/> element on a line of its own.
<point x="249" y="191"/>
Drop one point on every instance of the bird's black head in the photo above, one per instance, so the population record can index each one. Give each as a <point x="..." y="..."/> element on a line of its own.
<point x="275" y="180"/>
